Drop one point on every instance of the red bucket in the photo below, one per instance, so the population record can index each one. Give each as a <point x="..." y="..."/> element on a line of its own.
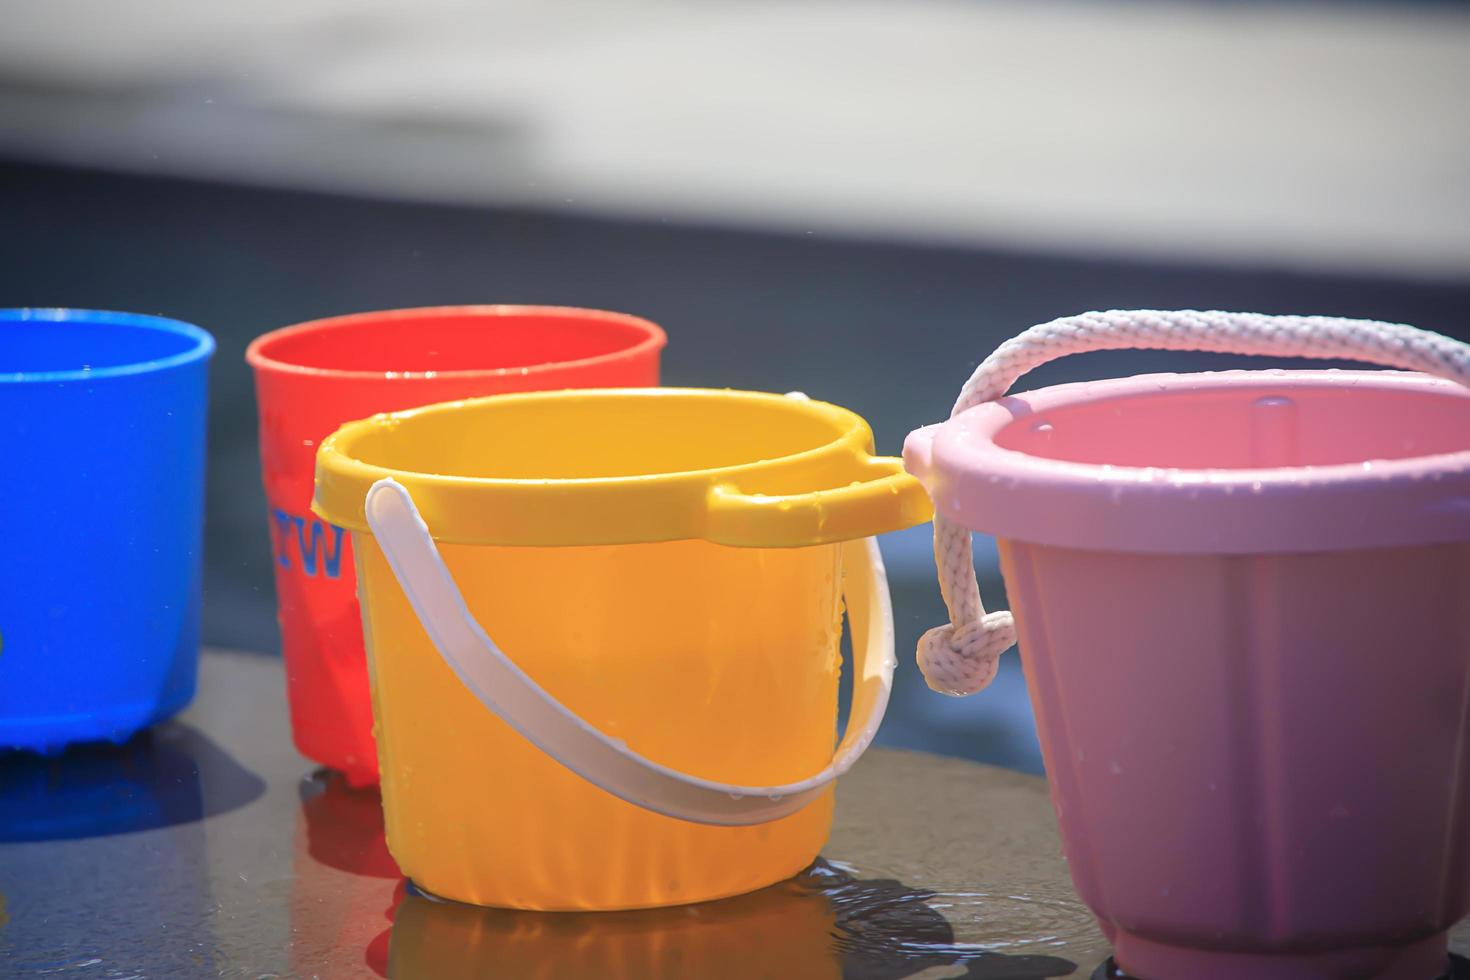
<point x="313" y="377"/>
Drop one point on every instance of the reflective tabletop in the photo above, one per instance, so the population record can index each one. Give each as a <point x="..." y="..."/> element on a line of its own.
<point x="208" y="847"/>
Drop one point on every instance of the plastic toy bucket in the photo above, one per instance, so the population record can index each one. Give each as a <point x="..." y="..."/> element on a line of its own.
<point x="102" y="421"/>
<point x="665" y="569"/>
<point x="1243" y="606"/>
<point x="313" y="377"/>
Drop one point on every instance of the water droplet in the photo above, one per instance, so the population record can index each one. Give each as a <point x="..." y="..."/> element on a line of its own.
<point x="737" y="796"/>
<point x="1114" y="768"/>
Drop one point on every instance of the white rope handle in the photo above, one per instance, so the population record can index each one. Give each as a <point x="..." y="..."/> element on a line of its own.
<point x="606" y="762"/>
<point x="961" y="657"/>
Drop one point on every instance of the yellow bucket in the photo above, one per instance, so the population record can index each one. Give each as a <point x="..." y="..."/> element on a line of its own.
<point x="662" y="572"/>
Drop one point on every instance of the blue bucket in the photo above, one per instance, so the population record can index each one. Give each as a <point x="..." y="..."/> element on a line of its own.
<point x="101" y="513"/>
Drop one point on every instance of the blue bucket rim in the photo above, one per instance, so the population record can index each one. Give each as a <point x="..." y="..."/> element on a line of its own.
<point x="203" y="348"/>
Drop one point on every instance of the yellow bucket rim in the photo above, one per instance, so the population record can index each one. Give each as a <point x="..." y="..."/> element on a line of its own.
<point x="836" y="490"/>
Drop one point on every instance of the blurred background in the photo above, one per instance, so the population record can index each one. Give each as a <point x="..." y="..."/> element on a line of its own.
<point x="858" y="199"/>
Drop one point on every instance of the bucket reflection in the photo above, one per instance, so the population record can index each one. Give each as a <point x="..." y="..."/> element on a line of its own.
<point x="344" y="825"/>
<point x="824" y="923"/>
<point x="827" y="922"/>
<point x="345" y="884"/>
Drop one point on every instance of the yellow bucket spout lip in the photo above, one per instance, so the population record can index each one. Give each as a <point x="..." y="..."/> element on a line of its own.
<point x="821" y="483"/>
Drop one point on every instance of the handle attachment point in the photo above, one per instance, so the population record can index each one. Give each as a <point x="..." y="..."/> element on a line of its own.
<point x="879" y="492"/>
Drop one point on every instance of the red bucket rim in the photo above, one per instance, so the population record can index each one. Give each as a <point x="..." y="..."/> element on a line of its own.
<point x="258" y="355"/>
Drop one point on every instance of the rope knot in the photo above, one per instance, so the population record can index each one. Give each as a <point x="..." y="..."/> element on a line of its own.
<point x="961" y="660"/>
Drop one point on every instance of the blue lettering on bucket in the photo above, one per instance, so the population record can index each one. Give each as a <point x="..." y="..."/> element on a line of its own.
<point x="311" y="544"/>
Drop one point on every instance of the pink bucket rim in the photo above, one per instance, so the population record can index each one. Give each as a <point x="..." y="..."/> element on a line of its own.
<point x="1015" y="495"/>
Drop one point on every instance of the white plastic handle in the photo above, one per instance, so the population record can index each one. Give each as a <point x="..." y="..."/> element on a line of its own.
<point x="608" y="763"/>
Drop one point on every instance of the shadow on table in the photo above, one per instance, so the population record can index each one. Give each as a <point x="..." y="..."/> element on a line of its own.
<point x="167" y="775"/>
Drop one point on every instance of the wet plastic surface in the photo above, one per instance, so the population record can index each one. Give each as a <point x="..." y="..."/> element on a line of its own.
<point x="209" y="847"/>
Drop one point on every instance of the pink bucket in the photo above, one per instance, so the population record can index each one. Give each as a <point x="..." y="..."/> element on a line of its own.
<point x="1243" y="605"/>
